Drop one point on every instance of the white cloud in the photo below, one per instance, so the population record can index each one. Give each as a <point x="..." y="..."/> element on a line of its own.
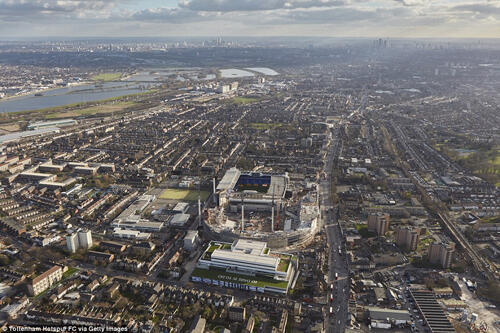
<point x="387" y="17"/>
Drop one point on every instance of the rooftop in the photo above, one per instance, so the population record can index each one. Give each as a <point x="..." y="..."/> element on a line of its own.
<point x="249" y="246"/>
<point x="245" y="258"/>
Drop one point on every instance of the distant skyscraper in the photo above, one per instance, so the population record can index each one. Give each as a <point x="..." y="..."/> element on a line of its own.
<point x="378" y="223"/>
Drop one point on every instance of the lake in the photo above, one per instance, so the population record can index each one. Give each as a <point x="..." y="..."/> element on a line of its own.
<point x="70" y="95"/>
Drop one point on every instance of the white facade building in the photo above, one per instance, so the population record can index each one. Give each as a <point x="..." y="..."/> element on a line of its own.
<point x="191" y="239"/>
<point x="85" y="239"/>
<point x="72" y="243"/>
<point x="248" y="257"/>
<point x="81" y="239"/>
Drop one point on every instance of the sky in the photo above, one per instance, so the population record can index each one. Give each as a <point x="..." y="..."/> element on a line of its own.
<point x="333" y="18"/>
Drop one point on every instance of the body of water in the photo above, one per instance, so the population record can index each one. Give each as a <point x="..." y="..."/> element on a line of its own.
<point x="70" y="95"/>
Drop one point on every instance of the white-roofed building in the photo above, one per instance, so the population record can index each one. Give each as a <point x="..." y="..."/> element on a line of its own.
<point x="130" y="234"/>
<point x="229" y="180"/>
<point x="179" y="220"/>
<point x="249" y="246"/>
<point x="249" y="262"/>
<point x="191" y="239"/>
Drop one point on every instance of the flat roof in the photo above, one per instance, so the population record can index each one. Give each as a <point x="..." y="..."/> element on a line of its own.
<point x="382" y="314"/>
<point x="53" y="122"/>
<point x="24" y="134"/>
<point x="248" y="246"/>
<point x="180" y="218"/>
<point x="119" y="231"/>
<point x="277" y="186"/>
<point x="229" y="180"/>
<point x="181" y="206"/>
<point x="244" y="258"/>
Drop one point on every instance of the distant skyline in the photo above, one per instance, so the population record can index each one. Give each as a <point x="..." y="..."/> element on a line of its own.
<point x="334" y="18"/>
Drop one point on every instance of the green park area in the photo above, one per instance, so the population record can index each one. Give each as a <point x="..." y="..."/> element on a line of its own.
<point x="491" y="219"/>
<point x="183" y="194"/>
<point x="106" y="77"/>
<point x="363" y="231"/>
<point x="483" y="160"/>
<point x="244" y="100"/>
<point x="93" y="110"/>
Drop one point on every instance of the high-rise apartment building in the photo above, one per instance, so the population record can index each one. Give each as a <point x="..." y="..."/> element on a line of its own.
<point x="407" y="238"/>
<point x="378" y="223"/>
<point x="85" y="239"/>
<point x="72" y="242"/>
<point x="81" y="239"/>
<point x="441" y="254"/>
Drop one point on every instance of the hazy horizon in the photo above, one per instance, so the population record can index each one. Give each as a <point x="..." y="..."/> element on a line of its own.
<point x="258" y="18"/>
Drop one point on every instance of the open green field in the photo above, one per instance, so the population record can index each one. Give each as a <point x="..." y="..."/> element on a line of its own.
<point x="497" y="159"/>
<point x="104" y="77"/>
<point x="102" y="109"/>
<point x="244" y="100"/>
<point x="181" y="194"/>
<point x="70" y="272"/>
<point x="221" y="275"/>
<point x="72" y="110"/>
<point x="483" y="161"/>
<point x="492" y="219"/>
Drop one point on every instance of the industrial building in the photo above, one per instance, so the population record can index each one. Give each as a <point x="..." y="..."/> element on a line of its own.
<point x="131" y="218"/>
<point x="130" y="234"/>
<point x="431" y="311"/>
<point x="50" y="124"/>
<point x="191" y="239"/>
<point x="387" y="318"/>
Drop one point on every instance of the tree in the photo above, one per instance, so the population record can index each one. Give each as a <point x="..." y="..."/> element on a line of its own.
<point x="4" y="260"/>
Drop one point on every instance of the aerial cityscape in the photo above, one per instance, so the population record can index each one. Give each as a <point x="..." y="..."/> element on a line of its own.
<point x="216" y="182"/>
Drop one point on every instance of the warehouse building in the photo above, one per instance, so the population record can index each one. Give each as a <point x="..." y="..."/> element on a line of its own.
<point x="431" y="311"/>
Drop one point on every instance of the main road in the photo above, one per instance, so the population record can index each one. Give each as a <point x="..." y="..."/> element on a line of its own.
<point x="336" y="311"/>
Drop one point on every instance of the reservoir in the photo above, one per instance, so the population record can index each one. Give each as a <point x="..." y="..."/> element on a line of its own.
<point x="70" y="95"/>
